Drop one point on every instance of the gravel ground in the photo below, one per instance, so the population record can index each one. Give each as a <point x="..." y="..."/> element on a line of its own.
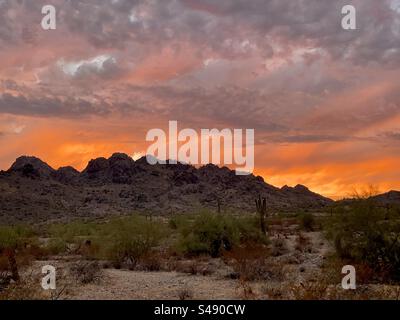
<point x="126" y="285"/>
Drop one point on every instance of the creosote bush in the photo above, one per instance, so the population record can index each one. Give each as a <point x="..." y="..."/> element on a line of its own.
<point x="12" y="239"/>
<point x="131" y="239"/>
<point x="209" y="234"/>
<point x="365" y="233"/>
<point x="86" y="272"/>
<point x="212" y="234"/>
<point x="123" y="240"/>
<point x="307" y="222"/>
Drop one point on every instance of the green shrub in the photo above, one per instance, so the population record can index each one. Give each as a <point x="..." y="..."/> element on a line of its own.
<point x="8" y="238"/>
<point x="131" y="238"/>
<point x="179" y="222"/>
<point x="56" y="246"/>
<point x="209" y="234"/>
<point x="212" y="234"/>
<point x="70" y="231"/>
<point x="249" y="230"/>
<point x="307" y="222"/>
<point x="14" y="236"/>
<point x="364" y="232"/>
<point x="123" y="239"/>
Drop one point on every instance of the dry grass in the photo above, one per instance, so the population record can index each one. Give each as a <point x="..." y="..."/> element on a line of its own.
<point x="309" y="291"/>
<point x="279" y="247"/>
<point x="273" y="292"/>
<point x="29" y="288"/>
<point x="303" y="243"/>
<point x="85" y="272"/>
<point x="246" y="291"/>
<point x="194" y="266"/>
<point x="251" y="263"/>
<point x="185" y="294"/>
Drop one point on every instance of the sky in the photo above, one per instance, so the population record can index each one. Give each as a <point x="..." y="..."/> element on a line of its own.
<point x="324" y="101"/>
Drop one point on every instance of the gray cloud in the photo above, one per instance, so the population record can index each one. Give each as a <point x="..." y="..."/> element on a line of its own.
<point x="392" y="135"/>
<point x="221" y="27"/>
<point x="49" y="106"/>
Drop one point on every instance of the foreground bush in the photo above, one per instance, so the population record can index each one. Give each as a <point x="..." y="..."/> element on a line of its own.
<point x="86" y="272"/>
<point x="250" y="263"/>
<point x="131" y="239"/>
<point x="364" y="232"/>
<point x="11" y="238"/>
<point x="213" y="233"/>
<point x="209" y="234"/>
<point x="307" y="222"/>
<point x="122" y="240"/>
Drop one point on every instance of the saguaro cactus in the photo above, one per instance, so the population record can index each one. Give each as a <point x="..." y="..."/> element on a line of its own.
<point x="261" y="205"/>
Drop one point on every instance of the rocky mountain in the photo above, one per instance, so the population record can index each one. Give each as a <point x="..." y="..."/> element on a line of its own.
<point x="33" y="191"/>
<point x="388" y="198"/>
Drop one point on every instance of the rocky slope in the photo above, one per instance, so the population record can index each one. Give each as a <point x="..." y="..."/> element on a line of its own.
<point x="388" y="198"/>
<point x="33" y="191"/>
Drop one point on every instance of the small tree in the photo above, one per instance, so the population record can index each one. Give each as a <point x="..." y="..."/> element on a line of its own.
<point x="132" y="238"/>
<point x="261" y="205"/>
<point x="210" y="234"/>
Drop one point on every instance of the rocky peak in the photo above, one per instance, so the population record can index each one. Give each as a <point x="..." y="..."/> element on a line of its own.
<point x="31" y="167"/>
<point x="66" y="174"/>
<point x="120" y="158"/>
<point x="301" y="188"/>
<point x="97" y="165"/>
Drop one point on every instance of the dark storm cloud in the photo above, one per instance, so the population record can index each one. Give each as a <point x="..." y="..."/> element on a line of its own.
<point x="301" y="138"/>
<point x="392" y="135"/>
<point x="221" y="26"/>
<point x="53" y="106"/>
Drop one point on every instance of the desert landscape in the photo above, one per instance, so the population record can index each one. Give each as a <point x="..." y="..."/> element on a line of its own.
<point x="111" y="233"/>
<point x="199" y="150"/>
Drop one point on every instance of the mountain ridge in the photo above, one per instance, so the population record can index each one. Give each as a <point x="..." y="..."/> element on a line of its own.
<point x="31" y="190"/>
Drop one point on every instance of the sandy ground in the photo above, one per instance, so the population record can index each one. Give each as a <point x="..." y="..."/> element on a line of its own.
<point x="126" y="285"/>
<point x="293" y="269"/>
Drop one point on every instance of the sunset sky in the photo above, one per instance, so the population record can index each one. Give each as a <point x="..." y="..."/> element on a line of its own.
<point x="324" y="101"/>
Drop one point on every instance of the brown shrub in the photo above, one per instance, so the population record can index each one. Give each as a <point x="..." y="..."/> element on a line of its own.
<point x="185" y="294"/>
<point x="309" y="291"/>
<point x="22" y="290"/>
<point x="246" y="291"/>
<point x="3" y="263"/>
<point x="36" y="251"/>
<point x="86" y="272"/>
<point x="272" y="292"/>
<point x="150" y="262"/>
<point x="89" y="250"/>
<point x="274" y="221"/>
<point x="250" y="263"/>
<point x="303" y="243"/>
<point x="279" y="247"/>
